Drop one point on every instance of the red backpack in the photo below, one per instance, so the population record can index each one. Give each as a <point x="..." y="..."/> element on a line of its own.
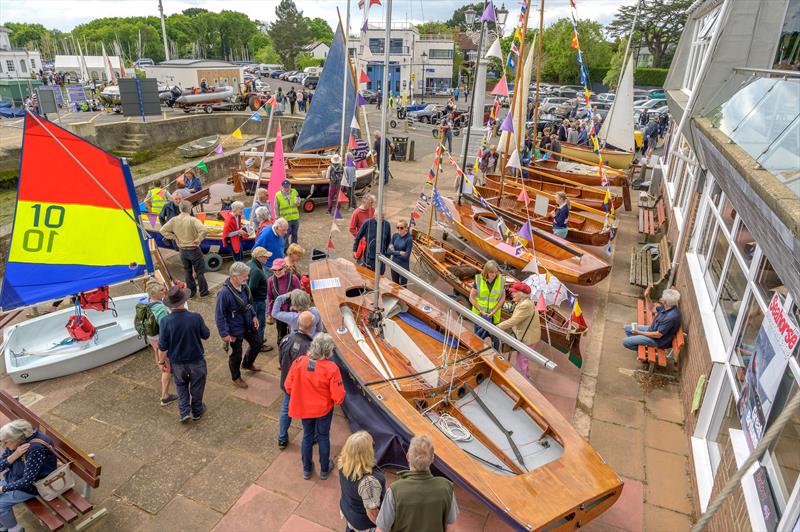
<point x="97" y="299"/>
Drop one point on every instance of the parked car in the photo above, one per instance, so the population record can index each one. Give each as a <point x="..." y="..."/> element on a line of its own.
<point x="310" y="82"/>
<point x="549" y="104"/>
<point x="649" y="105"/>
<point x="369" y="95"/>
<point x="606" y="97"/>
<point x="295" y="78"/>
<point x="428" y="114"/>
<point x="262" y="86"/>
<point x="276" y="74"/>
<point x="657" y="94"/>
<point x="285" y="75"/>
<point x="602" y="109"/>
<point x="641" y="94"/>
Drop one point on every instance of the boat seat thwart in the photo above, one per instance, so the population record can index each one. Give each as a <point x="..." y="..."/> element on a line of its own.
<point x="71" y="505"/>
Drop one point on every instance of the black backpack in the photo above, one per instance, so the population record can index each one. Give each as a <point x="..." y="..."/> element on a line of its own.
<point x="145" y="321"/>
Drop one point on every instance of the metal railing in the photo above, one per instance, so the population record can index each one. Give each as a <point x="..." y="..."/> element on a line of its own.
<point x="768" y="72"/>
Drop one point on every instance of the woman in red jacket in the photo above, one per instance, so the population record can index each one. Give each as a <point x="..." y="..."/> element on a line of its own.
<point x="314" y="385"/>
<point x="233" y="231"/>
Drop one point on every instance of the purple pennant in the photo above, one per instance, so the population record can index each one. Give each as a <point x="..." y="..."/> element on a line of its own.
<point x="488" y="13"/>
<point x="360" y="100"/>
<point x="218" y="149"/>
<point x="508" y="124"/>
<point x="525" y="232"/>
<point x="152" y="218"/>
<point x="365" y="26"/>
<point x="337" y="214"/>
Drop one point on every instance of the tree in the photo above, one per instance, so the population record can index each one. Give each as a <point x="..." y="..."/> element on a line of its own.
<point x="560" y="59"/>
<point x="289" y="33"/>
<point x="612" y="76"/>
<point x="458" y="20"/>
<point x="434" y="28"/>
<point x="307" y="60"/>
<point x="267" y="55"/>
<point x="320" y="31"/>
<point x="659" y="26"/>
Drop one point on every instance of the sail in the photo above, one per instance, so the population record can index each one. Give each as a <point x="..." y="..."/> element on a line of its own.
<point x="617" y="129"/>
<point x="322" y="126"/>
<point x="70" y="233"/>
<point x="521" y="102"/>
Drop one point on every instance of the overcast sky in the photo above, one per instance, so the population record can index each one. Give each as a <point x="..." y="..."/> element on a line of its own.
<point x="66" y="14"/>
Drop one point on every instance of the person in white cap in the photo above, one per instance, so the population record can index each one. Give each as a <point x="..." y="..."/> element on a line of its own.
<point x="334" y="174"/>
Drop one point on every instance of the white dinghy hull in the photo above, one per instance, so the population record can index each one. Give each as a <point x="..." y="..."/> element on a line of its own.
<point x="33" y="351"/>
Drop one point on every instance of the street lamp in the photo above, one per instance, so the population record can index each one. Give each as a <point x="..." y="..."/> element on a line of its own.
<point x="424" y="57"/>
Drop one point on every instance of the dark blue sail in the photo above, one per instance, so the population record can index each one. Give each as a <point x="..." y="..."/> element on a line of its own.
<point x="322" y="127"/>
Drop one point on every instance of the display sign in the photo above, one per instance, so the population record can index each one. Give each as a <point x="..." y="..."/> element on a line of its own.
<point x="542" y="205"/>
<point x="776" y="341"/>
<point x="56" y="90"/>
<point x="139" y="97"/>
<point x="47" y="101"/>
<point x="76" y="93"/>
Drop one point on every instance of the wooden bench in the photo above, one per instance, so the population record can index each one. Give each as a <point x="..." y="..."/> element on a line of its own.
<point x="652" y="215"/>
<point x="643" y="272"/>
<point x="657" y="355"/>
<point x="71" y="505"/>
<point x="199" y="198"/>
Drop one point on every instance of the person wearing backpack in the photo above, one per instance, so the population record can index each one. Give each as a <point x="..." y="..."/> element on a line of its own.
<point x="147" y="321"/>
<point x="237" y="322"/>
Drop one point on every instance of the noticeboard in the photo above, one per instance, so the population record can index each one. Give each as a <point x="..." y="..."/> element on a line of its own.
<point x="47" y="101"/>
<point x="139" y="97"/>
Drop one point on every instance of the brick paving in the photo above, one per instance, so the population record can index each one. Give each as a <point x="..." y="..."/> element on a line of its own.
<point x="225" y="473"/>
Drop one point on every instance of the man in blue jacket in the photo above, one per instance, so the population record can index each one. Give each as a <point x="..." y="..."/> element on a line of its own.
<point x="237" y="322"/>
<point x="273" y="239"/>
<point x="369" y="232"/>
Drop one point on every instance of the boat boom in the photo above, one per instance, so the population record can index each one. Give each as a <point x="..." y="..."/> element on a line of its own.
<point x="468" y="314"/>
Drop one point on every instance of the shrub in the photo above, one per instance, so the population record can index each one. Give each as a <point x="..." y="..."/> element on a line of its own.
<point x="650" y="77"/>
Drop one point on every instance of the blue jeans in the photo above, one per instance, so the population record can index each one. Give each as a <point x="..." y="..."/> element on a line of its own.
<point x="448" y="139"/>
<point x="190" y="383"/>
<point x="7" y="502"/>
<point x="260" y="308"/>
<point x="285" y="421"/>
<point x="482" y="333"/>
<point x="291" y="236"/>
<point x="633" y="341"/>
<point x="318" y="428"/>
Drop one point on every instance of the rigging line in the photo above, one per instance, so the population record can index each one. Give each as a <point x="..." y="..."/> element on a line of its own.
<point x="437" y="368"/>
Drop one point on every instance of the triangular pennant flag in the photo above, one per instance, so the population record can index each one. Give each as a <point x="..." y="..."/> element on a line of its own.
<point x="352" y="142"/>
<point x="337" y="214"/>
<point x="360" y="100"/>
<point x="501" y="89"/>
<point x="513" y="160"/>
<point x="255" y="117"/>
<point x="218" y="149"/>
<point x="508" y="123"/>
<point x="577" y="314"/>
<point x="575" y="43"/>
<point x="523" y="196"/>
<point x="532" y="267"/>
<point x="495" y="50"/>
<point x="525" y="232"/>
<point x="354" y="124"/>
<point x="343" y="197"/>
<point x="201" y="216"/>
<point x="152" y="218"/>
<point x="414" y="215"/>
<point x="365" y="26"/>
<point x="163" y="192"/>
<point x="202" y="166"/>
<point x="237" y="134"/>
<point x="362" y="77"/>
<point x="330" y="244"/>
<point x="488" y="14"/>
<point x="374" y="2"/>
<point x="334" y="228"/>
<point x="541" y="306"/>
<point x="272" y="102"/>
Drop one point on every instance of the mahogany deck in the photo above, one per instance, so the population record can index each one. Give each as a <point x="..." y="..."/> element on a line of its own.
<point x="549" y="171"/>
<point x="618" y="159"/>
<point x="584" y="194"/>
<point x="562" y="494"/>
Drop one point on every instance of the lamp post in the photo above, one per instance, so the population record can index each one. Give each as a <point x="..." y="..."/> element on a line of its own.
<point x="424" y="57"/>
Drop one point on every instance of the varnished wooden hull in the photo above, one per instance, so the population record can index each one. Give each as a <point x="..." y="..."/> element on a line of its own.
<point x="583" y="229"/>
<point x="564" y="488"/>
<point x="566" y="261"/>
<point x="585" y="196"/>
<point x="548" y="170"/>
<point x="614" y="158"/>
<point x="556" y="328"/>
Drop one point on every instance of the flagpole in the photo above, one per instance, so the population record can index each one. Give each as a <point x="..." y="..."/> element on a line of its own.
<point x="384" y="153"/>
<point x="538" y="76"/>
<point x="345" y="64"/>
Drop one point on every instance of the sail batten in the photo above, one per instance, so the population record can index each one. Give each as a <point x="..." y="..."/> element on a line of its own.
<point x="617" y="129"/>
<point x="75" y="220"/>
<point x="322" y="125"/>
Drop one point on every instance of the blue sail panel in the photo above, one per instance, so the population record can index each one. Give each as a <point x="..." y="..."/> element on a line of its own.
<point x="322" y="127"/>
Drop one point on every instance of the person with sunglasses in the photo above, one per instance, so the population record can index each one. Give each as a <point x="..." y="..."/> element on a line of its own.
<point x="400" y="250"/>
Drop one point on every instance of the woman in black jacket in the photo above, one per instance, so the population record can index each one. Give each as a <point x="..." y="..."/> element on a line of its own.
<point x="400" y="250"/>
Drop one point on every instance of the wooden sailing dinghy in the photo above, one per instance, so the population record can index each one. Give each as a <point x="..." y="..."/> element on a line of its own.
<point x="615" y="158"/>
<point x="583" y="174"/>
<point x="584" y="227"/>
<point x="566" y="261"/>
<point x="585" y="195"/>
<point x="423" y="372"/>
<point x="458" y="270"/>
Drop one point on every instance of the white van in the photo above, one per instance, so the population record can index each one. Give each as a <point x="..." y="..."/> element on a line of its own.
<point x="312" y="71"/>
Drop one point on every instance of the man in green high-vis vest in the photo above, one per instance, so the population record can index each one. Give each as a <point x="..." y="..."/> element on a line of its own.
<point x="287" y="204"/>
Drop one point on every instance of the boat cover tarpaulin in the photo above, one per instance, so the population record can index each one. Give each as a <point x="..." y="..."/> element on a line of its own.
<point x="9" y="112"/>
<point x="322" y="127"/>
<point x="71" y="233"/>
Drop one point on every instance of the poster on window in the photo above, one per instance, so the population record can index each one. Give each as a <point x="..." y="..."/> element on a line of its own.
<point x="774" y="344"/>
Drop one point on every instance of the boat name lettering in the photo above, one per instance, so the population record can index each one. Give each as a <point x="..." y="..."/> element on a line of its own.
<point x="48" y="213"/>
<point x="33" y="240"/>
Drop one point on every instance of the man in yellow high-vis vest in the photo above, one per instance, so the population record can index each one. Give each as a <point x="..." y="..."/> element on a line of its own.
<point x="487" y="297"/>
<point x="287" y="204"/>
<point x="156" y="198"/>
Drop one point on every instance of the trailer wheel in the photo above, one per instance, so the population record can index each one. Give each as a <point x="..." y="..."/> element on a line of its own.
<point x="456" y="131"/>
<point x="425" y="120"/>
<point x="187" y="110"/>
<point x="392" y="123"/>
<point x="253" y="102"/>
<point x="213" y="262"/>
<point x="308" y="205"/>
<point x="208" y="109"/>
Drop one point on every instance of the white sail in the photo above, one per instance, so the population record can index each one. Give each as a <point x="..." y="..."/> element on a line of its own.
<point x="520" y="102"/>
<point x="617" y="129"/>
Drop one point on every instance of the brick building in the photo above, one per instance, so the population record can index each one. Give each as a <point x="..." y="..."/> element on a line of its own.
<point x="731" y="175"/>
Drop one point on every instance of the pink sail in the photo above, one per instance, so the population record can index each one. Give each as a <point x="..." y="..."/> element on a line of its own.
<point x="277" y="172"/>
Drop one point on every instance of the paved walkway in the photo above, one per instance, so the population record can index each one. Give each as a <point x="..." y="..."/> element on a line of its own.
<point x="225" y="472"/>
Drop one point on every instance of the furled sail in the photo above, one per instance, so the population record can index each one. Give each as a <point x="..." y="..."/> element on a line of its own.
<point x="72" y="231"/>
<point x="322" y="126"/>
<point x="617" y="129"/>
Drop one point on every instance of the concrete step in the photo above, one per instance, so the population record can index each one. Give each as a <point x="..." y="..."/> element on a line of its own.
<point x="129" y="146"/>
<point x="136" y="135"/>
<point x="125" y="153"/>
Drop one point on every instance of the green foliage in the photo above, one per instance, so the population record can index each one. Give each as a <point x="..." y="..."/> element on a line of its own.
<point x="320" y="31"/>
<point x="289" y="33"/>
<point x="267" y="55"/>
<point x="458" y="61"/>
<point x="659" y="26"/>
<point x="307" y="60"/>
<point x="612" y="75"/>
<point x="35" y="36"/>
<point x="434" y="28"/>
<point x="458" y="20"/>
<point x="650" y="77"/>
<point x="560" y="59"/>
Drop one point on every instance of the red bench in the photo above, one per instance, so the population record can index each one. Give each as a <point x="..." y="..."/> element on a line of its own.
<point x="652" y="218"/>
<point x="657" y="355"/>
<point x="71" y="505"/>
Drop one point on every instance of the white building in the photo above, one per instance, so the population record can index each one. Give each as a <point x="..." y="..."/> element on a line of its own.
<point x="16" y="62"/>
<point x="416" y="61"/>
<point x="317" y="50"/>
<point x="95" y="65"/>
<point x="191" y="72"/>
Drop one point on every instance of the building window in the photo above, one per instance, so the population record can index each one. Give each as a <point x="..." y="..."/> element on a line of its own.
<point x="731" y="294"/>
<point x="440" y="54"/>
<point x="10" y="65"/>
<point x="787" y="56"/>
<point x="23" y="67"/>
<point x="33" y="64"/>
<point x="704" y="29"/>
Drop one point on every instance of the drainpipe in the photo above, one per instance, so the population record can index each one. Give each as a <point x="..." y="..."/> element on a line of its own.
<point x="683" y="234"/>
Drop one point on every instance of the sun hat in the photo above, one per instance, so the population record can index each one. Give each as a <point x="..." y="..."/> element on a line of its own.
<point x="177" y="296"/>
<point x="258" y="251"/>
<point x="278" y="264"/>
<point x="336" y="159"/>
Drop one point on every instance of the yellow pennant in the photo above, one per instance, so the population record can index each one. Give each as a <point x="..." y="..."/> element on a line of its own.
<point x="237" y="134"/>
